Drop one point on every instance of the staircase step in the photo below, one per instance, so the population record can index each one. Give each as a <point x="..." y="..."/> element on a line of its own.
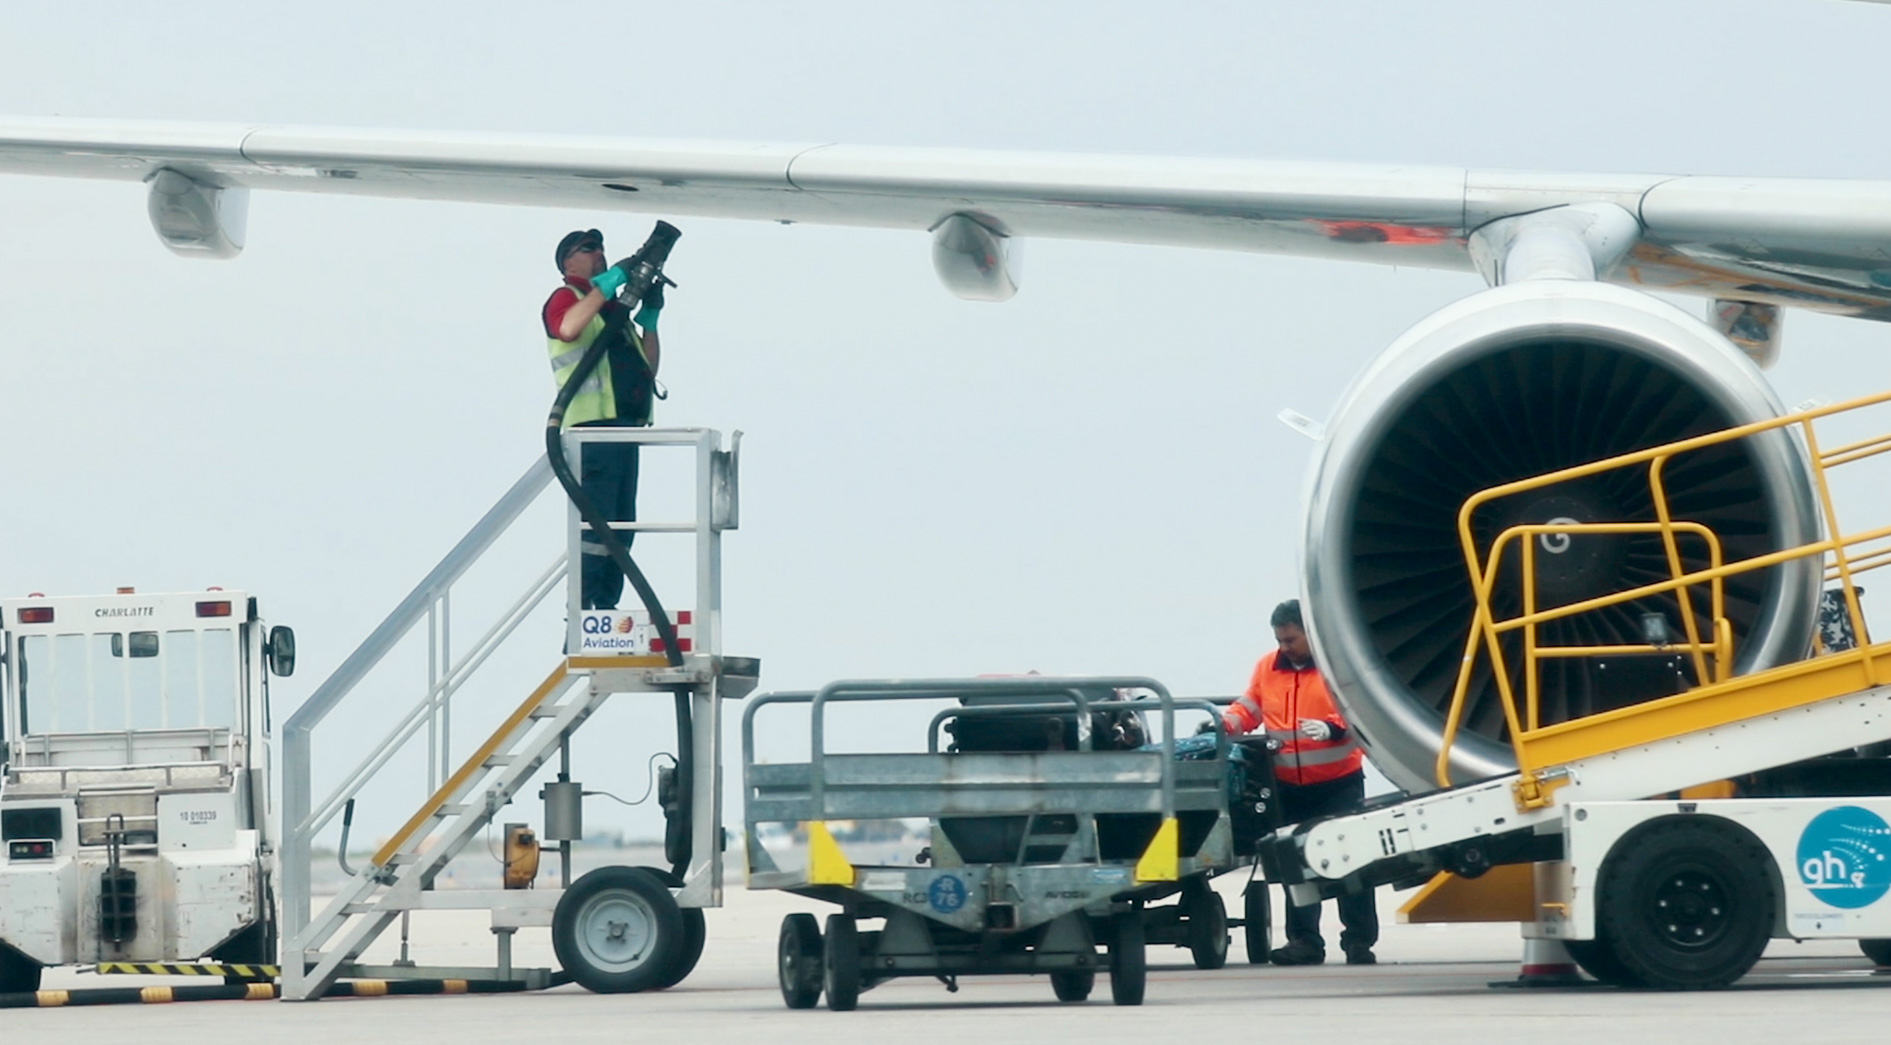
<point x="496" y="761"/>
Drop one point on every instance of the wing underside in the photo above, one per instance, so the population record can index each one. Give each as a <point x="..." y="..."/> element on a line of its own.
<point x="1823" y="245"/>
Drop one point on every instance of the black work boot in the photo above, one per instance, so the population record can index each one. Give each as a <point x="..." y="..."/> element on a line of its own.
<point x="1360" y="954"/>
<point x="1298" y="952"/>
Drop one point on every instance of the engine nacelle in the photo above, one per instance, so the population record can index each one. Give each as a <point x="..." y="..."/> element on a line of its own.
<point x="1512" y="383"/>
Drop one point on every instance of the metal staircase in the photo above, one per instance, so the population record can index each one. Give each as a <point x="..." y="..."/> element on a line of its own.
<point x="400" y="875"/>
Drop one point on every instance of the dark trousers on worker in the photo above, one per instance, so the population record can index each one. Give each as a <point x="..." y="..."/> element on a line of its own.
<point x="1358" y="914"/>
<point x="608" y="474"/>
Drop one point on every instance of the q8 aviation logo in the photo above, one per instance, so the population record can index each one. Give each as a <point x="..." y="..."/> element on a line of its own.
<point x="1842" y="856"/>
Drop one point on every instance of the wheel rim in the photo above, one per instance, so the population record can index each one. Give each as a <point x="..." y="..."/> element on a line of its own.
<point x="1689" y="908"/>
<point x="615" y="931"/>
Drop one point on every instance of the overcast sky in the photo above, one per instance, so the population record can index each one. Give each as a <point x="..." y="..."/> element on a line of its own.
<point x="1086" y="479"/>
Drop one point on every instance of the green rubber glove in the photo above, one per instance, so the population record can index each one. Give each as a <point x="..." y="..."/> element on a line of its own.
<point x="610" y="281"/>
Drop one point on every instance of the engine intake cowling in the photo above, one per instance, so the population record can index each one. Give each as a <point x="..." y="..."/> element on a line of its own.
<point x="1512" y="383"/>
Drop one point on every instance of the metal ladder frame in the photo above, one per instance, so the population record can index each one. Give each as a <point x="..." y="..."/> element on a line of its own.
<point x="401" y="874"/>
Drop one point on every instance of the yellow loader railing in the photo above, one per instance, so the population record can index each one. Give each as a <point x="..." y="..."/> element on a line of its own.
<point x="1716" y="696"/>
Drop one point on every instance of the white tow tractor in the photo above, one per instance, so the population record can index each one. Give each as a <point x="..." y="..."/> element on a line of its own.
<point x="135" y="806"/>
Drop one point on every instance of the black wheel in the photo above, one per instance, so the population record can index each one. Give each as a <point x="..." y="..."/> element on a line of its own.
<point x="798" y="961"/>
<point x="1258" y="915"/>
<point x="1598" y="959"/>
<point x="1205" y="925"/>
<point x="840" y="963"/>
<point x="1129" y="965"/>
<point x="695" y="933"/>
<point x="1073" y="984"/>
<point x="617" y="930"/>
<point x="18" y="973"/>
<point x="1685" y="903"/>
<point x="1879" y="951"/>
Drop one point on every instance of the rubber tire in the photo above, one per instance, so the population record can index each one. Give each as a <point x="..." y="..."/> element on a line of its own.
<point x="1073" y="984"/>
<point x="695" y="933"/>
<point x="18" y="973"/>
<point x="840" y="963"/>
<point x="1129" y="959"/>
<point x="1879" y="951"/>
<point x="1258" y="914"/>
<point x="1681" y="852"/>
<point x="1597" y="958"/>
<point x="1205" y="926"/>
<point x="638" y="889"/>
<point x="799" y="963"/>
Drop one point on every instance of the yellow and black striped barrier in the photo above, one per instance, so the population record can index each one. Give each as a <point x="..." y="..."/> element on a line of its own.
<point x="241" y="991"/>
<point x="247" y="972"/>
<point x="139" y="995"/>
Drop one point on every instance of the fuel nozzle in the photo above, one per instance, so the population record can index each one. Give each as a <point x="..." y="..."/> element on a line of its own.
<point x="645" y="267"/>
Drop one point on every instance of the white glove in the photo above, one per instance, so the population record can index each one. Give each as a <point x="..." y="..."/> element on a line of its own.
<point x="1314" y="729"/>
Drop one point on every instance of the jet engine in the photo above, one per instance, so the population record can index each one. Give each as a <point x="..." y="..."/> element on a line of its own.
<point x="1512" y="383"/>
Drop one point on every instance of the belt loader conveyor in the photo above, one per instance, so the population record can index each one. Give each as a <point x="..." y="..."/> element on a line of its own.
<point x="1671" y="892"/>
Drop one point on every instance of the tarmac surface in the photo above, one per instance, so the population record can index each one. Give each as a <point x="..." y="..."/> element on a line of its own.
<point x="1433" y="984"/>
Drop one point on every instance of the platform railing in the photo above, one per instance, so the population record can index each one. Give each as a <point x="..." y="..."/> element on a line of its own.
<point x="1845" y="554"/>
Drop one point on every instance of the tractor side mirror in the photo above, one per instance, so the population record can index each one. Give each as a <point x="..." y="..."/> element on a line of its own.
<point x="281" y="650"/>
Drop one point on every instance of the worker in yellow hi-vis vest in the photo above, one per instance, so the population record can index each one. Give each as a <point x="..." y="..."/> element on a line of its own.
<point x="619" y="392"/>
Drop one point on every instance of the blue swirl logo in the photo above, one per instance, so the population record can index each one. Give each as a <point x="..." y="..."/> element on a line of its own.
<point x="1842" y="857"/>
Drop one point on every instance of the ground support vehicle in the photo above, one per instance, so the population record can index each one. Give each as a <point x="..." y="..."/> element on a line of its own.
<point x="1667" y="841"/>
<point x="1037" y="860"/>
<point x="136" y="806"/>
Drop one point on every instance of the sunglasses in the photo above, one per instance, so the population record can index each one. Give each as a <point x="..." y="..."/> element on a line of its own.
<point x="588" y="248"/>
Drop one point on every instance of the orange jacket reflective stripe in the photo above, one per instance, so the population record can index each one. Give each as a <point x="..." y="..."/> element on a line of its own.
<point x="1278" y="697"/>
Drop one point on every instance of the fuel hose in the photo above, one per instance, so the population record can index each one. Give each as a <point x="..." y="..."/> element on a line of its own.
<point x="644" y="269"/>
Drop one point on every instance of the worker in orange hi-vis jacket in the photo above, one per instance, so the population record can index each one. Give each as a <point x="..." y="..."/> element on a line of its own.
<point x="1320" y="769"/>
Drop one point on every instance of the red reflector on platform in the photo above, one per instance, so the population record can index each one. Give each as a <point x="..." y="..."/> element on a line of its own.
<point x="657" y="646"/>
<point x="684" y="617"/>
<point x="220" y="608"/>
<point x="36" y="615"/>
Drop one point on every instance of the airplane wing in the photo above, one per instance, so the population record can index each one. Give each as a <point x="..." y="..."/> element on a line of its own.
<point x="1823" y="245"/>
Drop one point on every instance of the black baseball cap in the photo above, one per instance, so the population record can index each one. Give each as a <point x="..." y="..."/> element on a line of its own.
<point x="572" y="241"/>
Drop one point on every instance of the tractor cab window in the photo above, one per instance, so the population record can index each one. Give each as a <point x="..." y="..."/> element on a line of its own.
<point x="111" y="681"/>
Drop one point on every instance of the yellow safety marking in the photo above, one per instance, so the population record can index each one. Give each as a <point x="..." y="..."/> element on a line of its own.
<point x="1505" y="893"/>
<point x="1716" y="789"/>
<point x="155" y="995"/>
<point x="646" y="660"/>
<point x="51" y="999"/>
<point x="186" y="969"/>
<point x="1160" y="862"/>
<point x="452" y="986"/>
<point x="370" y="988"/>
<point x="827" y="865"/>
<point x="1747" y="697"/>
<point x="260" y="992"/>
<point x="471" y="765"/>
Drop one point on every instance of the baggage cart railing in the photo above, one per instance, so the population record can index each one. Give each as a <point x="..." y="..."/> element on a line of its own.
<point x="912" y="784"/>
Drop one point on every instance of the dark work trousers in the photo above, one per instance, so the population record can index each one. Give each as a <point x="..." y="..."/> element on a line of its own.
<point x="1358" y="915"/>
<point x="608" y="474"/>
